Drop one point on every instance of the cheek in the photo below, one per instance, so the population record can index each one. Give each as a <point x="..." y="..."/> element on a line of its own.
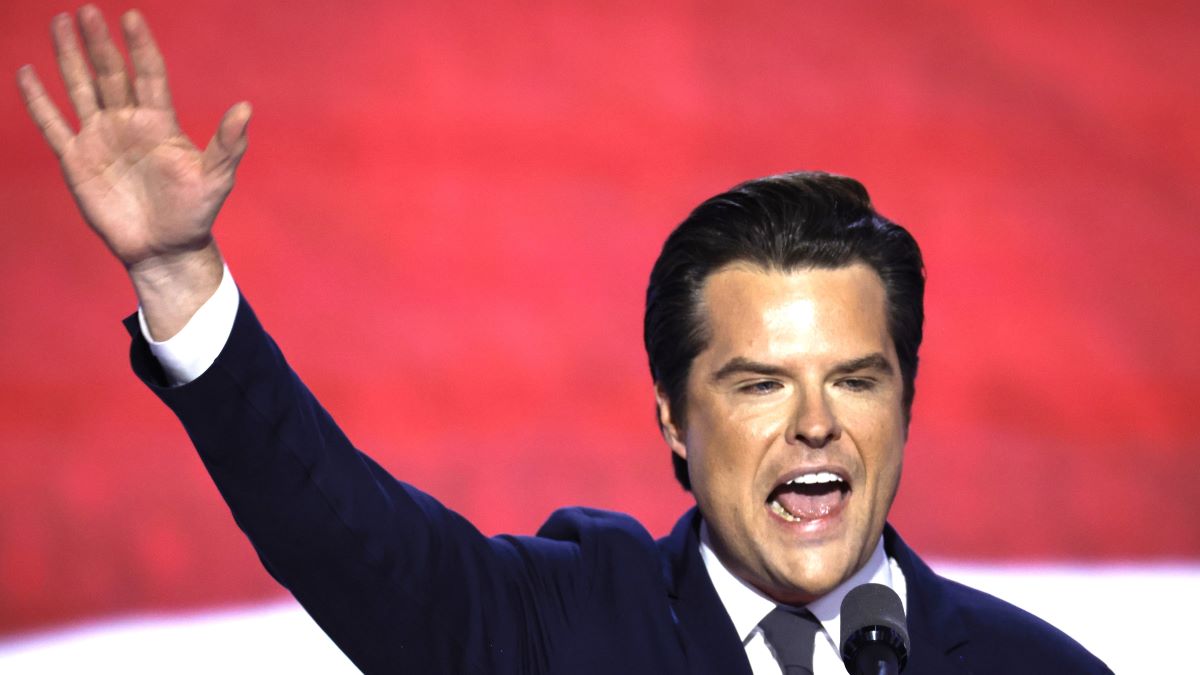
<point x="726" y="444"/>
<point x="887" y="466"/>
<point x="734" y="435"/>
<point x="879" y="436"/>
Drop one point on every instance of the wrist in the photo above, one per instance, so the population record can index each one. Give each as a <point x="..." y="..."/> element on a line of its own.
<point x="170" y="288"/>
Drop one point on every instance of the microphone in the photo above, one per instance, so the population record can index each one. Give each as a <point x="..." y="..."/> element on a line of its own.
<point x="874" y="633"/>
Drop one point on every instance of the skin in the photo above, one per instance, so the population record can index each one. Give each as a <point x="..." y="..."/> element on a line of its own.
<point x="140" y="183"/>
<point x="800" y="374"/>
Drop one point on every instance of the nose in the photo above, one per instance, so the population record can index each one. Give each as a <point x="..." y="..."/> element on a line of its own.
<point x="815" y="423"/>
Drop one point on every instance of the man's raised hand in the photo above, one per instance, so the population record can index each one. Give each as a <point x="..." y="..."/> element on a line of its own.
<point x="140" y="183"/>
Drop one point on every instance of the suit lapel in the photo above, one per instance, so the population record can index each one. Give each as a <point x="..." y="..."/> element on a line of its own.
<point x="710" y="642"/>
<point x="935" y="628"/>
<point x="706" y="633"/>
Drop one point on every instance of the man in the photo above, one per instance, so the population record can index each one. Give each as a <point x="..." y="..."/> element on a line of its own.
<point x="783" y="322"/>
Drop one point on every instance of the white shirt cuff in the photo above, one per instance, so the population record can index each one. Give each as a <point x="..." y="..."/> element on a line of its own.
<point x="187" y="354"/>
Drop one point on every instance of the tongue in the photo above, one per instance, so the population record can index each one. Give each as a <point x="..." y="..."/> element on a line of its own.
<point x="808" y="503"/>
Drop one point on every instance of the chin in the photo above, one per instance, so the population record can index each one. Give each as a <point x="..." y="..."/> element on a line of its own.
<point x="814" y="573"/>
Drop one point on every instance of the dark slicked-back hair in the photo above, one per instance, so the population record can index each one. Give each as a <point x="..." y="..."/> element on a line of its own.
<point x="786" y="222"/>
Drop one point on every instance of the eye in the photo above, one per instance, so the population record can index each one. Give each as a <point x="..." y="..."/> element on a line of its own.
<point x="760" y="387"/>
<point x="857" y="384"/>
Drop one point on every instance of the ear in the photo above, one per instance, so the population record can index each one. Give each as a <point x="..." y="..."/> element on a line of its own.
<point x="672" y="432"/>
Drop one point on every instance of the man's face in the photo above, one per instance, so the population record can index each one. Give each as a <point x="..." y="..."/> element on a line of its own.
<point x="795" y="429"/>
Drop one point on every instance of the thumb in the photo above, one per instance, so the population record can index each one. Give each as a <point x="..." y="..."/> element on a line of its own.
<point x="228" y="145"/>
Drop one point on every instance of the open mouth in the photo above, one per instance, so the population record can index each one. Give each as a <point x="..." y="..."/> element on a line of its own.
<point x="809" y="496"/>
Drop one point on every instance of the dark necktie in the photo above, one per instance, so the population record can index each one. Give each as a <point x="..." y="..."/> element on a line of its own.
<point x="791" y="633"/>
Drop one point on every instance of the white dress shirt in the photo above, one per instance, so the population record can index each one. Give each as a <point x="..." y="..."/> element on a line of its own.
<point x="187" y="354"/>
<point x="747" y="606"/>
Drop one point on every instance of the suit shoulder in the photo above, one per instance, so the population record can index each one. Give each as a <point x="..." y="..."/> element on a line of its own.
<point x="1004" y="633"/>
<point x="620" y="559"/>
<point x="587" y="526"/>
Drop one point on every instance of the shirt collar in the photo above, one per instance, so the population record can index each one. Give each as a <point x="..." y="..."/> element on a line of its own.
<point x="747" y="605"/>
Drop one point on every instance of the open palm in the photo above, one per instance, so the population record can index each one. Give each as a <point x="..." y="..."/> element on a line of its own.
<point x="139" y="181"/>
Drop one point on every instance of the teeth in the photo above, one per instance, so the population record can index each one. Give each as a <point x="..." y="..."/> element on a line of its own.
<point x="781" y="512"/>
<point x="815" y="478"/>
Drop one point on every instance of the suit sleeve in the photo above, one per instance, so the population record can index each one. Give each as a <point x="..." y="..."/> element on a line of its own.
<point x="398" y="581"/>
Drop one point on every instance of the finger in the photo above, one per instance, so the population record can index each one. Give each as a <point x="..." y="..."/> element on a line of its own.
<point x="149" y="71"/>
<point x="43" y="111"/>
<point x="111" y="81"/>
<point x="228" y="145"/>
<point x="74" y="70"/>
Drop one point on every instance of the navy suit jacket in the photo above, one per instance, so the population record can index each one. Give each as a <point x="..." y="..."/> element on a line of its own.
<point x="404" y="585"/>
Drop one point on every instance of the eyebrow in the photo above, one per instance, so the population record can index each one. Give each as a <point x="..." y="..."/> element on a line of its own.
<point x="741" y="365"/>
<point x="876" y="362"/>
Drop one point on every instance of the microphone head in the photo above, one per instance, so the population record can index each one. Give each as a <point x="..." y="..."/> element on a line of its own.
<point x="872" y="614"/>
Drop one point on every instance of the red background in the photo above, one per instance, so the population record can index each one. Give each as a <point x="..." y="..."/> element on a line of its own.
<point x="448" y="213"/>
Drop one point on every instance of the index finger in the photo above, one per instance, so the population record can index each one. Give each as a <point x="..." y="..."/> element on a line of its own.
<point x="150" y="72"/>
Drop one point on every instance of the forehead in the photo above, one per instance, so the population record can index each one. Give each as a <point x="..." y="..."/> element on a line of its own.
<point x="839" y="312"/>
